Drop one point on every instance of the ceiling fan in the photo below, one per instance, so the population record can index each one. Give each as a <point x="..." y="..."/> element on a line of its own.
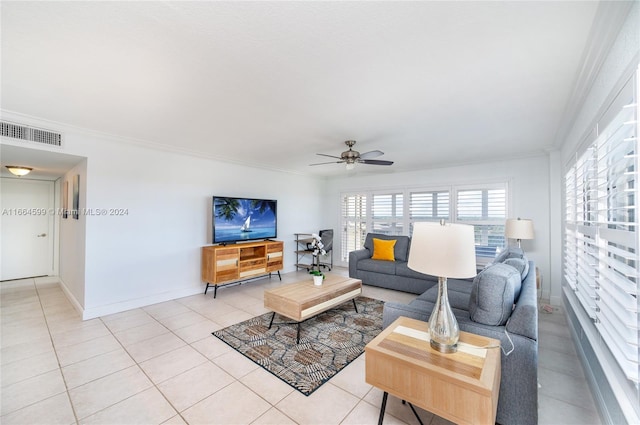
<point x="351" y="157"/>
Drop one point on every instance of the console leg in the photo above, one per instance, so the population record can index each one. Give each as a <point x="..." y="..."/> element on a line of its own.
<point x="215" y="291"/>
<point x="279" y="275"/>
<point x="206" y="289"/>
<point x="383" y="407"/>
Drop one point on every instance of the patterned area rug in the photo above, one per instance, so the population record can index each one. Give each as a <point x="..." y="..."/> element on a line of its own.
<point x="328" y="342"/>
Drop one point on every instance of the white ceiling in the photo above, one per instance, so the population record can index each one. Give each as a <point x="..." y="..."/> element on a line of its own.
<point x="273" y="83"/>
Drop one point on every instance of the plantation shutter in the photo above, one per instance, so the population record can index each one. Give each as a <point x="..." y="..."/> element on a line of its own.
<point x="601" y="243"/>
<point x="428" y="206"/>
<point x="486" y="210"/>
<point x="354" y="223"/>
<point x="570" y="244"/>
<point x="387" y="213"/>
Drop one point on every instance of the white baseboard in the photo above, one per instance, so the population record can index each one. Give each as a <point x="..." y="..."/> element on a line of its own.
<point x="74" y="302"/>
<point x="104" y="310"/>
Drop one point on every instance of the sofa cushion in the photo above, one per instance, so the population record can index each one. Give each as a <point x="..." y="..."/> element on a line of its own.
<point x="383" y="250"/>
<point x="400" y="250"/>
<point x="402" y="269"/>
<point x="492" y="294"/>
<point x="522" y="265"/>
<point x="377" y="266"/>
<point x="458" y="292"/>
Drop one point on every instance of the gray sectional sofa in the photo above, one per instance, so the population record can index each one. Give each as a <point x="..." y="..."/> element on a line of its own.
<point x="500" y="302"/>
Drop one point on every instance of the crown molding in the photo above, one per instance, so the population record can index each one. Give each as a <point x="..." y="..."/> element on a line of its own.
<point x="607" y="23"/>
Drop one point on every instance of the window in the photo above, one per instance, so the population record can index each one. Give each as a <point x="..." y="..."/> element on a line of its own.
<point x="601" y="263"/>
<point x="428" y="206"/>
<point x="394" y="213"/>
<point x="486" y="210"/>
<point x="387" y="213"/>
<point x="354" y="225"/>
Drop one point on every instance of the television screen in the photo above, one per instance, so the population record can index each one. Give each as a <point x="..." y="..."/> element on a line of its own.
<point x="243" y="219"/>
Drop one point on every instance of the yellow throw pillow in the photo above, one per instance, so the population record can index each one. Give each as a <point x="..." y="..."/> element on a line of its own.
<point x="383" y="250"/>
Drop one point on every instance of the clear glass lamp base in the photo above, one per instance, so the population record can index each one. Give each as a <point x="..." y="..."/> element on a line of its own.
<point x="443" y="326"/>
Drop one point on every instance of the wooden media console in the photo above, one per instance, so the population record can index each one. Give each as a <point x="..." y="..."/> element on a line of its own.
<point x="233" y="264"/>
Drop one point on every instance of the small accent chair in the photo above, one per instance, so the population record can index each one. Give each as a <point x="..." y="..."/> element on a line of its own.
<point x="327" y="240"/>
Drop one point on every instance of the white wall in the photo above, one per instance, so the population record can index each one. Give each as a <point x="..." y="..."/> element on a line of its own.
<point x="72" y="238"/>
<point x="528" y="181"/>
<point x="152" y="253"/>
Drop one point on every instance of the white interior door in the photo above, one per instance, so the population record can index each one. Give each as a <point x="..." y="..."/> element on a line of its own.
<point x="27" y="228"/>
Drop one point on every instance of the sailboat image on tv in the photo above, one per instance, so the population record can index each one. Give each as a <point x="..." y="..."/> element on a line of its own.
<point x="243" y="219"/>
<point x="246" y="225"/>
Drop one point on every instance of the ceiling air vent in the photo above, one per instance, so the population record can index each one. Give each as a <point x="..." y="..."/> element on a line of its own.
<point x="32" y="134"/>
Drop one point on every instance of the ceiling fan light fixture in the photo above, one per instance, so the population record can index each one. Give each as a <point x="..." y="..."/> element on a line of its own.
<point x="350" y="165"/>
<point x="18" y="170"/>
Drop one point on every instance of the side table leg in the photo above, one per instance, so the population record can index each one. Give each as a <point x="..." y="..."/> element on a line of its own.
<point x="383" y="407"/>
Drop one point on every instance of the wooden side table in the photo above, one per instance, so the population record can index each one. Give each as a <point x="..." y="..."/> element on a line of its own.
<point x="462" y="387"/>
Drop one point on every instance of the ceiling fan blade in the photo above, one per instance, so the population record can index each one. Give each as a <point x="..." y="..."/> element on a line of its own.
<point x="324" y="163"/>
<point x="371" y="154"/>
<point x="375" y="162"/>
<point x="330" y="156"/>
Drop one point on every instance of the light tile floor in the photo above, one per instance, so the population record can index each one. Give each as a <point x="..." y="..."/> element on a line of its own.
<point x="161" y="365"/>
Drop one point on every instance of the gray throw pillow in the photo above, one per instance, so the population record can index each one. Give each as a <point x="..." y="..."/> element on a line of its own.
<point x="493" y="294"/>
<point x="400" y="249"/>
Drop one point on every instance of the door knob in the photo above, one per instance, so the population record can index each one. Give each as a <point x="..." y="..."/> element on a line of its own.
<point x="42" y="235"/>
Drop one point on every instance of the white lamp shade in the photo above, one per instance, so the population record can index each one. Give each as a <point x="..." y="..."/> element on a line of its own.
<point x="517" y="228"/>
<point x="443" y="250"/>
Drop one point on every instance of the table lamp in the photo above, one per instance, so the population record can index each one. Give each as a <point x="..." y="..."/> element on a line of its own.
<point x="517" y="228"/>
<point x="443" y="250"/>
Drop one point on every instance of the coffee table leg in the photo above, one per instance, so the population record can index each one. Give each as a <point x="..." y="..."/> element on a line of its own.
<point x="415" y="413"/>
<point x="271" y="322"/>
<point x="355" y="305"/>
<point x="383" y="407"/>
<point x="298" y="335"/>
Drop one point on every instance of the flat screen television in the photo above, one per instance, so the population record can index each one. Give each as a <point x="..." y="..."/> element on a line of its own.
<point x="244" y="219"/>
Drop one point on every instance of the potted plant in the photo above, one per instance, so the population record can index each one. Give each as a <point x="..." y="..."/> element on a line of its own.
<point x="318" y="277"/>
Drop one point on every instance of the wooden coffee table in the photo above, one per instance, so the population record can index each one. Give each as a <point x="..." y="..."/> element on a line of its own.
<point x="462" y="387"/>
<point x="303" y="300"/>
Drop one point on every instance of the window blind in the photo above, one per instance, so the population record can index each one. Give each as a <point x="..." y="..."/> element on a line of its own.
<point x="428" y="206"/>
<point x="387" y="213"/>
<point x="486" y="210"/>
<point x="394" y="212"/>
<point x="354" y="223"/>
<point x="601" y="262"/>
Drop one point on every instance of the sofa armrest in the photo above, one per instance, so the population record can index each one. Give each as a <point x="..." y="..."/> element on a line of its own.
<point x="354" y="257"/>
<point x="524" y="318"/>
<point x="394" y="310"/>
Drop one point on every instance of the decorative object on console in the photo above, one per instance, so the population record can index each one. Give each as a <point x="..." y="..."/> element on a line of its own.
<point x="18" y="170"/>
<point x="517" y="228"/>
<point x="443" y="250"/>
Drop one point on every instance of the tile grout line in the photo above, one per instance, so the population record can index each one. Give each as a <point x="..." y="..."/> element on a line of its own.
<point x="64" y="380"/>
